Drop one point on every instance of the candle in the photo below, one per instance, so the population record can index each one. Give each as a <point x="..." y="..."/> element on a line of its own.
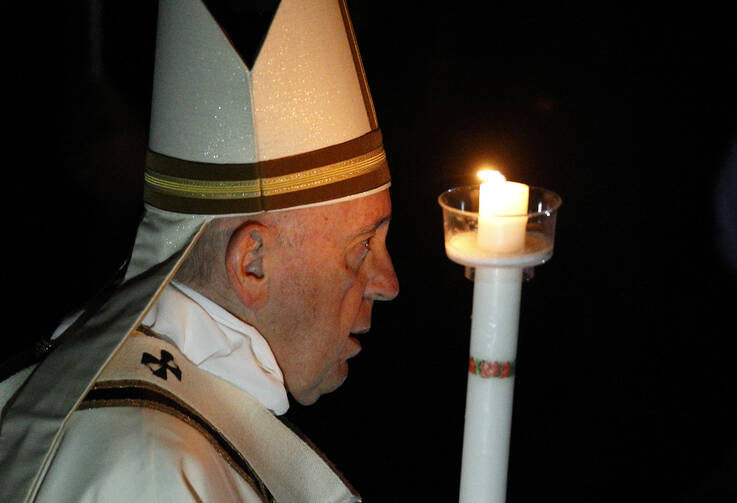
<point x="496" y="300"/>
<point x="498" y="249"/>
<point x="502" y="213"/>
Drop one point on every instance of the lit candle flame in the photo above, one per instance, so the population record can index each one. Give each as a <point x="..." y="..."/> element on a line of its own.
<point x="491" y="175"/>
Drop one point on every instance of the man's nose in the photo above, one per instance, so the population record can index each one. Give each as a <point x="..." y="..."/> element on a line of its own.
<point x="383" y="283"/>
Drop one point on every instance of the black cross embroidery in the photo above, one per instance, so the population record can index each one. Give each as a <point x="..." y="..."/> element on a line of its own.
<point x="159" y="367"/>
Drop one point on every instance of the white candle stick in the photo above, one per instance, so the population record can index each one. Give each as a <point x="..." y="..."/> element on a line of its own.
<point x="496" y="302"/>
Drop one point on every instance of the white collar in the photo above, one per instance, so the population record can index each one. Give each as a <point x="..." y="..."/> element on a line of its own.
<point x="218" y="342"/>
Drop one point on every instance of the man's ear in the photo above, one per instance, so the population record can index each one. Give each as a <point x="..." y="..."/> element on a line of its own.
<point x="245" y="266"/>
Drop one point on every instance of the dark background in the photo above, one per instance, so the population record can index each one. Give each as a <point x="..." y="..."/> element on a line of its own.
<point x="625" y="383"/>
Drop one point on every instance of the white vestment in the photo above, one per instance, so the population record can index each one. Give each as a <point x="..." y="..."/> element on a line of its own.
<point x="163" y="430"/>
<point x="138" y="454"/>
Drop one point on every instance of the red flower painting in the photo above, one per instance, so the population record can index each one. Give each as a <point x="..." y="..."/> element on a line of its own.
<point x="472" y="365"/>
<point x="487" y="368"/>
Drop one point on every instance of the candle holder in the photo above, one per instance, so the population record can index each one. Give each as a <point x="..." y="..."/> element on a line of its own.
<point x="497" y="277"/>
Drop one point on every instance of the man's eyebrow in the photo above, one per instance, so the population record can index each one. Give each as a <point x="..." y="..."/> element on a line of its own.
<point x="375" y="225"/>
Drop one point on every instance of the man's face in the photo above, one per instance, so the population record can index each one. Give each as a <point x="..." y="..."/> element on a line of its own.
<point x="332" y="263"/>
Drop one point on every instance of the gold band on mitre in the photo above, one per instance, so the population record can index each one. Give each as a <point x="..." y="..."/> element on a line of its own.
<point x="346" y="169"/>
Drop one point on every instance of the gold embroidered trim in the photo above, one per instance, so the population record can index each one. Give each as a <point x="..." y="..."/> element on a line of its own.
<point x="184" y="187"/>
<point x="307" y="179"/>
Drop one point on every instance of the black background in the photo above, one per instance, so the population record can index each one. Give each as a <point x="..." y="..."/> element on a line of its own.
<point x="625" y="383"/>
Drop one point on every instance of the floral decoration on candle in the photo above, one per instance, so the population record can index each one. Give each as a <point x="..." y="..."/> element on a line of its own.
<point x="488" y="368"/>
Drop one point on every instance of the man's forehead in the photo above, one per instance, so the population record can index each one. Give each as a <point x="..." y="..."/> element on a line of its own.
<point x="351" y="218"/>
<point x="339" y="223"/>
<point x="364" y="214"/>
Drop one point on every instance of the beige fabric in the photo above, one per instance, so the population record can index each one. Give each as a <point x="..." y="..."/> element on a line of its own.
<point x="291" y="470"/>
<point x="306" y="89"/>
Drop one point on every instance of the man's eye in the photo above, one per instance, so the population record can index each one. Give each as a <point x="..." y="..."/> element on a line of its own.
<point x="365" y="247"/>
<point x="358" y="253"/>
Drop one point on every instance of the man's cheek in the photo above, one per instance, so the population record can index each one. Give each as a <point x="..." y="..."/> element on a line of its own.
<point x="352" y="300"/>
<point x="364" y="314"/>
<point x="347" y="285"/>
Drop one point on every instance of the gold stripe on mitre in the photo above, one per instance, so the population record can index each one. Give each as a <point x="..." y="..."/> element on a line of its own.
<point x="346" y="169"/>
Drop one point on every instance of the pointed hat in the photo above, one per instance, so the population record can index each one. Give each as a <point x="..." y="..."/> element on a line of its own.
<point x="295" y="128"/>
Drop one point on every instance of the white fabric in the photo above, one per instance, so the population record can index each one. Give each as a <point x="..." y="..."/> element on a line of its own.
<point x="10" y="386"/>
<point x="219" y="343"/>
<point x="306" y="91"/>
<point x="302" y="94"/>
<point x="201" y="98"/>
<point x="120" y="452"/>
<point x="134" y="454"/>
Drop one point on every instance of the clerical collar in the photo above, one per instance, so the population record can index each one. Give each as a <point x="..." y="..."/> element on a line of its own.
<point x="219" y="343"/>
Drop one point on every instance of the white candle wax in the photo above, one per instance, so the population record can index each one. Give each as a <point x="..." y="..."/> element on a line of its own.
<point x="463" y="248"/>
<point x="502" y="213"/>
<point x="489" y="395"/>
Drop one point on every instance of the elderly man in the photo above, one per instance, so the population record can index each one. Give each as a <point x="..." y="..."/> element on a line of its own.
<point x="261" y="252"/>
<point x="305" y="278"/>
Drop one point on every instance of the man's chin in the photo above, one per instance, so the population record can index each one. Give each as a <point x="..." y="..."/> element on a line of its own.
<point x="329" y="384"/>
